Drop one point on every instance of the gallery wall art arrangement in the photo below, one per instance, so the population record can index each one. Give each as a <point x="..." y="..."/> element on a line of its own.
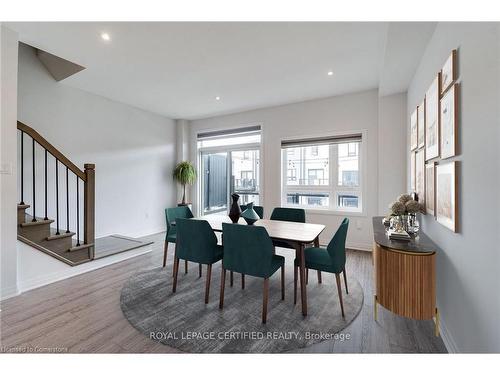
<point x="433" y="140"/>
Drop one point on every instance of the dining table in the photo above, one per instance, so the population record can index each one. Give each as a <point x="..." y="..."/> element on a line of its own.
<point x="297" y="235"/>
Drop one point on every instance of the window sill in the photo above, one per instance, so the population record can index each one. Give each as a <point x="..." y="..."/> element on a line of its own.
<point x="335" y="212"/>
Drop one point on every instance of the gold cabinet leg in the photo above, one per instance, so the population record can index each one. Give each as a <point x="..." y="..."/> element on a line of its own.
<point x="375" y="311"/>
<point x="436" y="328"/>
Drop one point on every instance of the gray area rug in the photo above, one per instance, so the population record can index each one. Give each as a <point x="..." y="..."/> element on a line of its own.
<point x="183" y="321"/>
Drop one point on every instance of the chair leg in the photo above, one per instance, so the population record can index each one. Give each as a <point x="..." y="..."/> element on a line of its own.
<point x="345" y="282"/>
<point x="307" y="276"/>
<point x="207" y="285"/>
<point x="199" y="270"/>
<point x="165" y="249"/>
<point x="222" y="285"/>
<point x="339" y="289"/>
<point x="283" y="282"/>
<point x="185" y="266"/>
<point x="319" y="277"/>
<point x="242" y="281"/>
<point x="295" y="272"/>
<point x="176" y="271"/>
<point x="231" y="278"/>
<point x="265" y="297"/>
<point x="175" y="256"/>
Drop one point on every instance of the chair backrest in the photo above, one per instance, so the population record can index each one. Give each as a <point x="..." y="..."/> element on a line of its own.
<point x="196" y="241"/>
<point x="336" y="247"/>
<point x="174" y="213"/>
<point x="248" y="249"/>
<point x="297" y="215"/>
<point x="258" y="209"/>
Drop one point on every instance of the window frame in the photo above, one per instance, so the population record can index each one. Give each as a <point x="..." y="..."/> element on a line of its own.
<point x="333" y="189"/>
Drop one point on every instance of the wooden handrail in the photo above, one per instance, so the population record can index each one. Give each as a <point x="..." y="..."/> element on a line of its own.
<point x="88" y="177"/>
<point x="54" y="151"/>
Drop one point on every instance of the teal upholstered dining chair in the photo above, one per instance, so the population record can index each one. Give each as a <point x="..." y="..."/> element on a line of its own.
<point x="297" y="215"/>
<point x="258" y="209"/>
<point x="196" y="242"/>
<point x="249" y="250"/>
<point x="171" y="216"/>
<point x="332" y="260"/>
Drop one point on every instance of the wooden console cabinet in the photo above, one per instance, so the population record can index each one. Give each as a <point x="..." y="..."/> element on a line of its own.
<point x="405" y="275"/>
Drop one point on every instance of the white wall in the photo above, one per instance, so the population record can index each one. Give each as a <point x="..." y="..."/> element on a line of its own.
<point x="392" y="148"/>
<point x="8" y="180"/>
<point x="468" y="262"/>
<point x="359" y="112"/>
<point x="134" y="151"/>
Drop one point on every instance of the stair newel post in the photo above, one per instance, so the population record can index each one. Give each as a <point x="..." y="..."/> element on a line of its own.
<point x="22" y="167"/>
<point x="77" y="211"/>
<point x="45" y="218"/>
<point x="57" y="197"/>
<point x="33" y="182"/>
<point x="89" y="207"/>
<point x="67" y="200"/>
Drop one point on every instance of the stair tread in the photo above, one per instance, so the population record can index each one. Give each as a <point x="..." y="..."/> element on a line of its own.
<point x="81" y="247"/>
<point x="61" y="234"/>
<point x="38" y="221"/>
<point x="23" y="206"/>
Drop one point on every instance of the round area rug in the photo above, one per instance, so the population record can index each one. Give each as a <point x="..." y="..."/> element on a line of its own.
<point x="183" y="321"/>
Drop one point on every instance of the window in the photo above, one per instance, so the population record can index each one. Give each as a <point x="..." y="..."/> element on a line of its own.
<point x="322" y="173"/>
<point x="229" y="162"/>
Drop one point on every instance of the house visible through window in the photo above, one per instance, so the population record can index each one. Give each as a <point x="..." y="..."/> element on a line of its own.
<point x="322" y="173"/>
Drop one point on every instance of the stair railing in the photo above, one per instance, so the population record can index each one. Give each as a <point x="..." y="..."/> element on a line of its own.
<point x="87" y="176"/>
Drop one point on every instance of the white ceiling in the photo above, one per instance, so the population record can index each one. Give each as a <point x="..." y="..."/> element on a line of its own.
<point x="177" y="69"/>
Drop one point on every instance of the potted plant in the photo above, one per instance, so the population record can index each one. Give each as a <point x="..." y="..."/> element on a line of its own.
<point x="404" y="211"/>
<point x="184" y="174"/>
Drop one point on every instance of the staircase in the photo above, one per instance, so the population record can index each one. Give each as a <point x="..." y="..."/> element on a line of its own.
<point x="69" y="235"/>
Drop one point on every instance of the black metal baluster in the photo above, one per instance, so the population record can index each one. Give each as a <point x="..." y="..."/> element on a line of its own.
<point x="57" y="197"/>
<point x="46" y="217"/>
<point x="34" y="195"/>
<point x="67" y="202"/>
<point x="22" y="168"/>
<point x="77" y="212"/>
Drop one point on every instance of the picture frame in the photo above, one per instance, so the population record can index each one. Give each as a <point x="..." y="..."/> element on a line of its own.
<point x="449" y="72"/>
<point x="446" y="195"/>
<point x="420" y="175"/>
<point x="432" y="120"/>
<point x="448" y="123"/>
<point x="430" y="188"/>
<point x="413" y="130"/>
<point x="412" y="171"/>
<point x="421" y="125"/>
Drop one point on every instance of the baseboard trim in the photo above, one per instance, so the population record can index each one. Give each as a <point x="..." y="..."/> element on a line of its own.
<point x="37" y="282"/>
<point x="9" y="293"/>
<point x="448" y="340"/>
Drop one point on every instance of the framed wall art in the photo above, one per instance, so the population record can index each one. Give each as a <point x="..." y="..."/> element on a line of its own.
<point x="448" y="110"/>
<point x="430" y="188"/>
<point x="448" y="72"/>
<point x="432" y="120"/>
<point x="413" y="131"/>
<point x="446" y="195"/>
<point x="421" y="125"/>
<point x="420" y="175"/>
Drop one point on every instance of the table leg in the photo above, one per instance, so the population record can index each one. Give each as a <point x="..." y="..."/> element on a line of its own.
<point x="303" y="292"/>
<point x="316" y="244"/>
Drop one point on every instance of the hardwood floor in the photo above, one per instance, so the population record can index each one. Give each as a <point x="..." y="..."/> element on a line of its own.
<point x="82" y="315"/>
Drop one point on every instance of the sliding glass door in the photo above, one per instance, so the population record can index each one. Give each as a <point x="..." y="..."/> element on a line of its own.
<point x="228" y="172"/>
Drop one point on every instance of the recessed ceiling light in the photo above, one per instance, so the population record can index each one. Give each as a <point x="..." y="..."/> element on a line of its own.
<point x="105" y="36"/>
<point x="330" y="73"/>
<point x="217" y="98"/>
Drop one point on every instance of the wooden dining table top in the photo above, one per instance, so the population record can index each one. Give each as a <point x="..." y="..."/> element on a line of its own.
<point x="282" y="230"/>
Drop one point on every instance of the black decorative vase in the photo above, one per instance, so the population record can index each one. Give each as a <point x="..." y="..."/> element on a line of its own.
<point x="235" y="211"/>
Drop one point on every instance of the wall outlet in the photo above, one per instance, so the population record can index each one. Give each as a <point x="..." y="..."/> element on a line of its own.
<point x="359" y="224"/>
<point x="6" y="168"/>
